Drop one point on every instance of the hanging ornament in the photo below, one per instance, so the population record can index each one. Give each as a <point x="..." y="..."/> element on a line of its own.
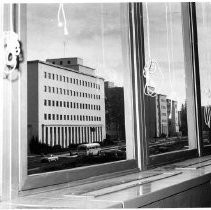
<point x="60" y="24"/>
<point x="11" y="47"/>
<point x="150" y="66"/>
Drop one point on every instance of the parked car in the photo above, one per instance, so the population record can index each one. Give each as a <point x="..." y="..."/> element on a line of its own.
<point x="49" y="158"/>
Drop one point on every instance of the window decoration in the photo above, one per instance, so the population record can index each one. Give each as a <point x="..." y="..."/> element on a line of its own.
<point x="60" y="23"/>
<point x="151" y="66"/>
<point x="11" y="47"/>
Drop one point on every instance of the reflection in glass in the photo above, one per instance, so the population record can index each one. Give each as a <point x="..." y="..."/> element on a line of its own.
<point x="204" y="46"/>
<point x="165" y="82"/>
<point x="76" y="85"/>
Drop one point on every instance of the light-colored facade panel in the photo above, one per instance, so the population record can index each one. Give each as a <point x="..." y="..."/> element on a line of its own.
<point x="67" y="100"/>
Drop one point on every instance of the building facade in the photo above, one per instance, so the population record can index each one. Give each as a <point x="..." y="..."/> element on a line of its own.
<point x="66" y="105"/>
<point x="115" y="111"/>
<point x="173" y="120"/>
<point x="161" y="115"/>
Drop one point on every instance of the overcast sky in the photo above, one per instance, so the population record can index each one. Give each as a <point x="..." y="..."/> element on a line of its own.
<point x="95" y="35"/>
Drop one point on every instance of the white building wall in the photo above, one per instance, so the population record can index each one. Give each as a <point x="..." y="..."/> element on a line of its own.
<point x="93" y="97"/>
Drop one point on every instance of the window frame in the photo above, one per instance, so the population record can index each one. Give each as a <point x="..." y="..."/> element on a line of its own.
<point x="26" y="182"/>
<point x="19" y="180"/>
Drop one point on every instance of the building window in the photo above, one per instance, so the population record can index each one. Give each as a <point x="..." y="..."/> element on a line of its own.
<point x="49" y="75"/>
<point x="45" y="102"/>
<point x="49" y="116"/>
<point x="45" y="74"/>
<point x="45" y="89"/>
<point x="49" y="102"/>
<point x="45" y="116"/>
<point x="68" y="62"/>
<point x="61" y="62"/>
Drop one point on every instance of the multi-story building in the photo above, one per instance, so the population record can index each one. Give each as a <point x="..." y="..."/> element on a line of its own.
<point x="115" y="113"/>
<point x="172" y="114"/>
<point x="161" y="115"/>
<point x="151" y="120"/>
<point x="66" y="102"/>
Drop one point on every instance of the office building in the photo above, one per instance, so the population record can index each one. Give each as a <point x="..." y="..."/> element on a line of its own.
<point x="66" y="102"/>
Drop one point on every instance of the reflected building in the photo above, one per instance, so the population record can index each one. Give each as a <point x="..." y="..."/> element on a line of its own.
<point x="66" y="102"/>
<point x="151" y="114"/>
<point x="115" y="115"/>
<point x="161" y="115"/>
<point x="172" y="115"/>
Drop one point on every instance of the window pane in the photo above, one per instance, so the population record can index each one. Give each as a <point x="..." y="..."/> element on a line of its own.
<point x="166" y="81"/>
<point x="77" y="49"/>
<point x="204" y="48"/>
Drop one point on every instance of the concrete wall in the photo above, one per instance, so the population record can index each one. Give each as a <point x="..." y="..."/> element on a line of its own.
<point x="199" y="196"/>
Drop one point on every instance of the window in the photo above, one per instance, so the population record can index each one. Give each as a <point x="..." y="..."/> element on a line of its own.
<point x="45" y="102"/>
<point x="170" y="82"/>
<point x="49" y="116"/>
<point x="68" y="62"/>
<point x="45" y="74"/>
<point x="204" y="46"/>
<point x="120" y="98"/>
<point x="45" y="116"/>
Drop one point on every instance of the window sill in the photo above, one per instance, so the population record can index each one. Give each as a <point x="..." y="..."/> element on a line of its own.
<point x="130" y="190"/>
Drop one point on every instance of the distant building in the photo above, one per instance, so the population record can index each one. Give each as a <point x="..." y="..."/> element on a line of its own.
<point x="172" y="115"/>
<point x="66" y="102"/>
<point x="151" y="121"/>
<point x="115" y="115"/>
<point x="161" y="115"/>
<point x="108" y="84"/>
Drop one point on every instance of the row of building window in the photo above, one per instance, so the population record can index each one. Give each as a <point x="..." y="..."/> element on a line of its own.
<point x="73" y="105"/>
<point x="71" y="80"/>
<point x="70" y="92"/>
<point x="71" y="117"/>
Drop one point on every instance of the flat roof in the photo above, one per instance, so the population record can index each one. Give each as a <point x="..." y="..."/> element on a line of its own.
<point x="64" y="68"/>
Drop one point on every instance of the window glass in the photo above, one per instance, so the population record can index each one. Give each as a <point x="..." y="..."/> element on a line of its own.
<point x="166" y="81"/>
<point x="86" y="45"/>
<point x="204" y="48"/>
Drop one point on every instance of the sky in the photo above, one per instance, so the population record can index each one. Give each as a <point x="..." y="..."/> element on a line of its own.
<point x="94" y="34"/>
